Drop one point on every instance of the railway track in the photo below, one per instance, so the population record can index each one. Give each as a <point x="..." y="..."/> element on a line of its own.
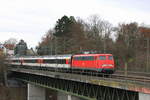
<point x="143" y="74"/>
<point x="132" y="78"/>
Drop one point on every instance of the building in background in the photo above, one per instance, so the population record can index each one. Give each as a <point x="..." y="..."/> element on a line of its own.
<point x="2" y="49"/>
<point x="6" y="50"/>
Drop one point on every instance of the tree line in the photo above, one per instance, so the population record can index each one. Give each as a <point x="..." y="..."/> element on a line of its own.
<point x="127" y="42"/>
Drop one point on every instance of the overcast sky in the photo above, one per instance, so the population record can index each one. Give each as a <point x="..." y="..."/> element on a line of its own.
<point x="31" y="19"/>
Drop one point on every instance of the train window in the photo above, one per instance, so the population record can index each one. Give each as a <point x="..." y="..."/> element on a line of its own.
<point x="102" y="57"/>
<point x="46" y="61"/>
<point x="61" y="61"/>
<point x="110" y="57"/>
<point x="78" y="58"/>
<point x="55" y="61"/>
<point x="16" y="61"/>
<point x="89" y="58"/>
<point x="30" y="61"/>
<point x="84" y="58"/>
<point x="49" y="61"/>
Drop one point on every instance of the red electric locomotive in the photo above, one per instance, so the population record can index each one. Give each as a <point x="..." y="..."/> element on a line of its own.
<point x="97" y="62"/>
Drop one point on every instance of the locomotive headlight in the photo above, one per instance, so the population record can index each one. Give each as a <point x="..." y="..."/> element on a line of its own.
<point x="110" y="65"/>
<point x="104" y="65"/>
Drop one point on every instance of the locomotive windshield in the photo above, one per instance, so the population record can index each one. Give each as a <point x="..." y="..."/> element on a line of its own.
<point x="110" y="57"/>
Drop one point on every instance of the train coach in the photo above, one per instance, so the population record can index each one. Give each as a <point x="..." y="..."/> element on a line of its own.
<point x="92" y="62"/>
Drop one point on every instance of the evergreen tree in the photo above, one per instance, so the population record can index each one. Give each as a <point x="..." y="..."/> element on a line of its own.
<point x="63" y="25"/>
<point x="63" y="33"/>
<point x="21" y="48"/>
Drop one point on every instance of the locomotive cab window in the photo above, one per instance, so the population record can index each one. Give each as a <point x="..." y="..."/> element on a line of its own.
<point x="102" y="57"/>
<point x="110" y="57"/>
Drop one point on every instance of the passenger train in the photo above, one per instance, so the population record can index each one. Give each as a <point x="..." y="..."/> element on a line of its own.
<point x="92" y="62"/>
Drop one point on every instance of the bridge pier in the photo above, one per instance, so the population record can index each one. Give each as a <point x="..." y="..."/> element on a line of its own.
<point x="75" y="98"/>
<point x="62" y="96"/>
<point x="39" y="93"/>
<point x="143" y="96"/>
<point x="35" y="92"/>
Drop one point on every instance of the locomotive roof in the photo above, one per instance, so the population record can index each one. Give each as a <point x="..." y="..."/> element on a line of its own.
<point x="92" y="54"/>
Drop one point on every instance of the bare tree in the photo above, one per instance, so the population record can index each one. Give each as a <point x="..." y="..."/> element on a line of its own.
<point x="99" y="31"/>
<point x="126" y="44"/>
